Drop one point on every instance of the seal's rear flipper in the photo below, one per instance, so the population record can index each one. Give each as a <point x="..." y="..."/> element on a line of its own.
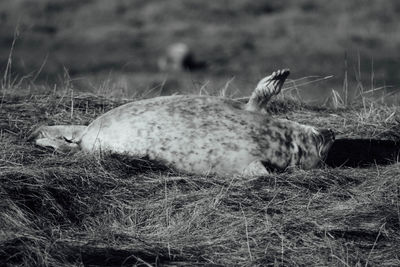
<point x="58" y="145"/>
<point x="59" y="137"/>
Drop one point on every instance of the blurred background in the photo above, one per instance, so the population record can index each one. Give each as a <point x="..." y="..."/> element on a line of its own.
<point x="121" y="46"/>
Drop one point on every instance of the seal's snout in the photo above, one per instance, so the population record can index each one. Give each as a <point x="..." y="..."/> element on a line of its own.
<point x="327" y="135"/>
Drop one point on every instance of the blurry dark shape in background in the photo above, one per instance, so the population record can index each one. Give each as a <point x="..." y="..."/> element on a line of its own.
<point x="244" y="39"/>
<point x="179" y="57"/>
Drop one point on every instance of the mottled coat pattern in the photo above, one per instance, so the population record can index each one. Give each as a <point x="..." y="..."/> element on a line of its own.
<point x="201" y="134"/>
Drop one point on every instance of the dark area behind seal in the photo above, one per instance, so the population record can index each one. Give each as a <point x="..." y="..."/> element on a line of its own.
<point x="362" y="152"/>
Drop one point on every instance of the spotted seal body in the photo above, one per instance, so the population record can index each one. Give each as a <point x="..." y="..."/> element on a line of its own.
<point x="206" y="134"/>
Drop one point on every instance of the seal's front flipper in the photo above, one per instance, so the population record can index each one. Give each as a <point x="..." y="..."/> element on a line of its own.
<point x="266" y="88"/>
<point x="255" y="168"/>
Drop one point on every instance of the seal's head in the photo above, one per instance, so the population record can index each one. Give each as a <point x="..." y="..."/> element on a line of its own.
<point x="314" y="145"/>
<point x="324" y="141"/>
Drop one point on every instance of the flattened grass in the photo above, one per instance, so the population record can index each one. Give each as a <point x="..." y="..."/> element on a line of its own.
<point x="59" y="210"/>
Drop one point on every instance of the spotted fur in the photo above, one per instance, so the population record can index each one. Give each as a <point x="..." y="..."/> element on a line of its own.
<point x="205" y="134"/>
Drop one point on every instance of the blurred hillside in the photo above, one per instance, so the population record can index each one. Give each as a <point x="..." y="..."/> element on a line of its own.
<point x="244" y="39"/>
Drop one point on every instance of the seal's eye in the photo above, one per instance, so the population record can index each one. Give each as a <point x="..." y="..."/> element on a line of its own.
<point x="67" y="140"/>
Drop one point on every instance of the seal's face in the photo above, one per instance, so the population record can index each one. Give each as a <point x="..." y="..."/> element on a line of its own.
<point x="324" y="141"/>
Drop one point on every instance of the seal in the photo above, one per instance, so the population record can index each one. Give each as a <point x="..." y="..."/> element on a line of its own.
<point x="200" y="134"/>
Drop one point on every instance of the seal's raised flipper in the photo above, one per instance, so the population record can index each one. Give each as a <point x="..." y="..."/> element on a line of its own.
<point x="60" y="137"/>
<point x="255" y="168"/>
<point x="266" y="88"/>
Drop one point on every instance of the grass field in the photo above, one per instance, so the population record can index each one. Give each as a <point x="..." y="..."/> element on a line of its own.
<point x="68" y="61"/>
<point x="60" y="210"/>
<point x="122" y="40"/>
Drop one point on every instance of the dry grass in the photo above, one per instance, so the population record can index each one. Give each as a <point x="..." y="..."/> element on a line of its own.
<point x="77" y="210"/>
